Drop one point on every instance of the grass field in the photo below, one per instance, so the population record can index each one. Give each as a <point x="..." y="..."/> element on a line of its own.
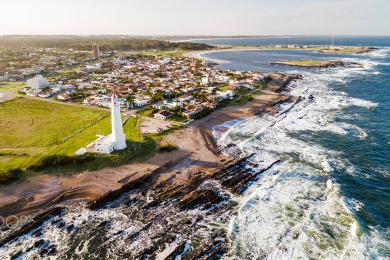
<point x="32" y="130"/>
<point x="311" y="63"/>
<point x="167" y="53"/>
<point x="5" y="86"/>
<point x="148" y="111"/>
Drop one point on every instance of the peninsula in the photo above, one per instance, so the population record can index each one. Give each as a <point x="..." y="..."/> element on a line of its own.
<point x="315" y="63"/>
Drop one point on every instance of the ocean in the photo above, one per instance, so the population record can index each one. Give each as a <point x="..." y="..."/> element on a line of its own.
<point x="330" y="195"/>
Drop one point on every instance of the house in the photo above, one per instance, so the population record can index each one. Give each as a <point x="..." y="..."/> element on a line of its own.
<point x="104" y="101"/>
<point x="164" y="115"/>
<point x="173" y="104"/>
<point x="38" y="82"/>
<point x="63" y="97"/>
<point x="166" y="61"/>
<point x="93" y="67"/>
<point x="185" y="98"/>
<point x="205" y="80"/>
<point x="123" y="103"/>
<point x="44" y="94"/>
<point x="158" y="106"/>
<point x="139" y="102"/>
<point x="192" y="111"/>
<point x="104" y="144"/>
<point x="228" y="94"/>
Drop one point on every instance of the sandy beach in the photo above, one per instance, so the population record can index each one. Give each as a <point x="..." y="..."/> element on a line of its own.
<point x="197" y="152"/>
<point x="200" y="54"/>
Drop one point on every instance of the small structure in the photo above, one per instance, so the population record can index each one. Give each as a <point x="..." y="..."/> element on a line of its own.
<point x="37" y="83"/>
<point x="247" y="86"/>
<point x="140" y="102"/>
<point x="164" y="115"/>
<point x="222" y="95"/>
<point x="81" y="151"/>
<point x="104" y="144"/>
<point x="205" y="80"/>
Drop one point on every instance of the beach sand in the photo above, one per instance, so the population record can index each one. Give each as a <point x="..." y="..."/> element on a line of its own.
<point x="197" y="153"/>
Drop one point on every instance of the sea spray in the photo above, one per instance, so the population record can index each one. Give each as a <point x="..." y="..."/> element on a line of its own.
<point x="296" y="210"/>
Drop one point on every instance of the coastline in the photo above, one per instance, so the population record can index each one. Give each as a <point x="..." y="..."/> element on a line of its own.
<point x="167" y="190"/>
<point x="198" y="54"/>
<point x="196" y="152"/>
<point x="197" y="202"/>
<point x="223" y="48"/>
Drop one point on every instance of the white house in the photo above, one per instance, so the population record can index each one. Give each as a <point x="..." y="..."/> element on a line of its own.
<point x="173" y="104"/>
<point x="158" y="106"/>
<point x="164" y="115"/>
<point x="166" y="61"/>
<point x="93" y="67"/>
<point x="228" y="94"/>
<point x="104" y="144"/>
<point x="185" y="98"/>
<point x="139" y="102"/>
<point x="123" y="103"/>
<point x="38" y="82"/>
<point x="205" y="80"/>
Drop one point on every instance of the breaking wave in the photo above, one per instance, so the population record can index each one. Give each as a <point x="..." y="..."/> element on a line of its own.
<point x="297" y="210"/>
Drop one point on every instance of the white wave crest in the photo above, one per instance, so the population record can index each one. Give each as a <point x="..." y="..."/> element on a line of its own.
<point x="295" y="210"/>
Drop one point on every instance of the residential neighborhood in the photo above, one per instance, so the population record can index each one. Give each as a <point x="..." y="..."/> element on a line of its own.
<point x="177" y="88"/>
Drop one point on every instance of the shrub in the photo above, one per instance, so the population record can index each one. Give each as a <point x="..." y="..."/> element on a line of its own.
<point x="167" y="147"/>
<point x="60" y="160"/>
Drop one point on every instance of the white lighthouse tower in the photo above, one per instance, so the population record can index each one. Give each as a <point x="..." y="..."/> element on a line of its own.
<point x="118" y="138"/>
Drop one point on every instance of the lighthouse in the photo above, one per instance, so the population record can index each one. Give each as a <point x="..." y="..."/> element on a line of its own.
<point x="118" y="138"/>
<point x="114" y="141"/>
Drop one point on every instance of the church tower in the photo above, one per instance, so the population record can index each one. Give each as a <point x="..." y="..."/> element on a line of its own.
<point x="117" y="135"/>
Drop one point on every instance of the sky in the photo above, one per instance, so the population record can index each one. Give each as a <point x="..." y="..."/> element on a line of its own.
<point x="195" y="17"/>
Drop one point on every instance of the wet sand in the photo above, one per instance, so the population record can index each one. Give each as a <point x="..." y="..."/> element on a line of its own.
<point x="197" y="153"/>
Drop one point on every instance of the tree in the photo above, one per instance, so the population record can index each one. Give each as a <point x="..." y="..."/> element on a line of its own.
<point x="130" y="98"/>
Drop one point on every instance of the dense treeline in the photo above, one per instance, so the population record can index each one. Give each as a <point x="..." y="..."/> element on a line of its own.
<point x="106" y="43"/>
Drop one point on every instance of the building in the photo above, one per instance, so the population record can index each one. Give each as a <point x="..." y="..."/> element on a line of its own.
<point x="222" y="95"/>
<point x="104" y="144"/>
<point x="38" y="82"/>
<point x="247" y="86"/>
<point x="164" y="115"/>
<point x="95" y="51"/>
<point x="140" y="102"/>
<point x="205" y="80"/>
<point x="117" y="139"/>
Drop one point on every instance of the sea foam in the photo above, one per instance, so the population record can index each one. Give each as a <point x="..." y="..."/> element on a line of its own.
<point x="295" y="210"/>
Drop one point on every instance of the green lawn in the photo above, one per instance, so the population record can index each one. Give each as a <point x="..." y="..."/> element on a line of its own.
<point x="224" y="88"/>
<point x="166" y="53"/>
<point x="4" y="86"/>
<point x="72" y="69"/>
<point x="32" y="130"/>
<point x="148" y="111"/>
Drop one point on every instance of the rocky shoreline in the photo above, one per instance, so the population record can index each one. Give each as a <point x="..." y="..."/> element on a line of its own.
<point x="181" y="208"/>
<point x="315" y="64"/>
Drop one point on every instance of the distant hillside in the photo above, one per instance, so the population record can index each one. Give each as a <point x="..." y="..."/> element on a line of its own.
<point x="106" y="43"/>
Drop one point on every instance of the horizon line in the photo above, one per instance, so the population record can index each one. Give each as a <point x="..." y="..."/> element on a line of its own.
<point x="204" y="35"/>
